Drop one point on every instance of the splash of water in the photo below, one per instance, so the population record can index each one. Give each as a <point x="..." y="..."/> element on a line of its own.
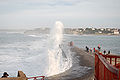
<point x="57" y="63"/>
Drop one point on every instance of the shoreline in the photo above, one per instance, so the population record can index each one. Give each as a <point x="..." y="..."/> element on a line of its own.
<point x="82" y="70"/>
<point x="97" y="34"/>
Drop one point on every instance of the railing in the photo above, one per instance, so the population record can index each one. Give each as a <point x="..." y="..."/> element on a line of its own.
<point x="36" y="78"/>
<point x="106" y="67"/>
<point x="112" y="59"/>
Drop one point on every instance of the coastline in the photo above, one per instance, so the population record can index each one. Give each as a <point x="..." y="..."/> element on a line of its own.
<point x="83" y="70"/>
<point x="97" y="34"/>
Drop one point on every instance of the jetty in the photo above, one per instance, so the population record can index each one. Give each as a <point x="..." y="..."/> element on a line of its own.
<point x="85" y="61"/>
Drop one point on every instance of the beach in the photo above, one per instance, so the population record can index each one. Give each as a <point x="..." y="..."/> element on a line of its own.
<point x="83" y="70"/>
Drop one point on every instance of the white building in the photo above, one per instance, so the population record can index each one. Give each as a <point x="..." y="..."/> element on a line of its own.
<point x="115" y="32"/>
<point x="100" y="32"/>
<point x="93" y="29"/>
<point x="102" y="29"/>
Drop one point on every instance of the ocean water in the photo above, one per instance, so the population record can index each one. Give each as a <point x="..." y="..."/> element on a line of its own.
<point x="23" y="52"/>
<point x="43" y="54"/>
<point x="29" y="53"/>
<point x="111" y="43"/>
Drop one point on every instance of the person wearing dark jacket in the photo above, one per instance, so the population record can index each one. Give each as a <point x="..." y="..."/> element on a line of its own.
<point x="5" y="75"/>
<point x="99" y="48"/>
<point x="87" y="49"/>
<point x="109" y="52"/>
<point x="104" y="52"/>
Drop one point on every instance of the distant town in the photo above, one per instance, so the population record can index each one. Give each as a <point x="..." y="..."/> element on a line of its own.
<point x="97" y="31"/>
<point x="79" y="31"/>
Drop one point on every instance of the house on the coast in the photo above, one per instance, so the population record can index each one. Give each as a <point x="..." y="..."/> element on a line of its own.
<point x="116" y="32"/>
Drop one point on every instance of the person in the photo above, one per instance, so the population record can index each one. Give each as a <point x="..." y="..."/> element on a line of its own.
<point x="109" y="52"/>
<point x="99" y="47"/>
<point x="104" y="52"/>
<point x="90" y="50"/>
<point x="71" y="43"/>
<point x="5" y="75"/>
<point x="87" y="49"/>
<point x="94" y="49"/>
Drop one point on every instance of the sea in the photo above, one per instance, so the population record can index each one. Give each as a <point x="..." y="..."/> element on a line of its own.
<point x="29" y="53"/>
<point x="106" y="42"/>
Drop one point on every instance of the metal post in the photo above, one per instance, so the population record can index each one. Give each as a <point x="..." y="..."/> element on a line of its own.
<point x="115" y="61"/>
<point x="110" y="60"/>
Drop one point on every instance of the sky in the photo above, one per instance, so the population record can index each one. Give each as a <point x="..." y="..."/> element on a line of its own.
<point x="27" y="14"/>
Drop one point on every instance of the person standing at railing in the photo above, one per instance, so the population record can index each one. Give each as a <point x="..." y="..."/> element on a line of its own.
<point x="109" y="52"/>
<point x="90" y="50"/>
<point x="94" y="49"/>
<point x="99" y="47"/>
<point x="104" y="52"/>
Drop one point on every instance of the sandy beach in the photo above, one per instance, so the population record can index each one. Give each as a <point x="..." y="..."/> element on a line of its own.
<point x="83" y="69"/>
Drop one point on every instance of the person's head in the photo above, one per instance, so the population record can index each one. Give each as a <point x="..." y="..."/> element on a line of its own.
<point x="5" y="74"/>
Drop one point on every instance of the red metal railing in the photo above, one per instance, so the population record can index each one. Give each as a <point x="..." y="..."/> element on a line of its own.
<point x="112" y="59"/>
<point x="106" y="67"/>
<point x="36" y="78"/>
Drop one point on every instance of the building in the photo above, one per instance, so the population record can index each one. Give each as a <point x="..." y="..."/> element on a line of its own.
<point x="116" y="32"/>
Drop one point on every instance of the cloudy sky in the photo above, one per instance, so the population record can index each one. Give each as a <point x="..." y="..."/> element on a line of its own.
<point x="73" y="13"/>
